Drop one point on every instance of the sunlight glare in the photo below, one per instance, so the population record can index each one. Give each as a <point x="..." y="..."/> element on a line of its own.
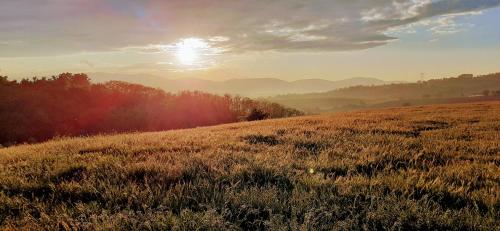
<point x="188" y="50"/>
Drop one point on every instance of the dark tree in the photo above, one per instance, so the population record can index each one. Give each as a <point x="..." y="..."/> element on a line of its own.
<point x="257" y="114"/>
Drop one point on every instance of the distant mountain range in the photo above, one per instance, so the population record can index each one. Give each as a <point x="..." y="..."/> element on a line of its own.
<point x="255" y="87"/>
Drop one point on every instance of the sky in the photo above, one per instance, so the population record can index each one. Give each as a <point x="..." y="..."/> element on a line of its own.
<point x="394" y="40"/>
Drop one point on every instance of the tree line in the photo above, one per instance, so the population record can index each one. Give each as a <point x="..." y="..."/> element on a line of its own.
<point x="465" y="85"/>
<point x="38" y="109"/>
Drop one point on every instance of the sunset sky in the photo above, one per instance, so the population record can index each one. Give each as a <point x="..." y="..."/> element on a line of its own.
<point x="286" y="39"/>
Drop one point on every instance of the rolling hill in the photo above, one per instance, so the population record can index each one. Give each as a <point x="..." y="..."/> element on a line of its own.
<point x="464" y="88"/>
<point x="252" y="87"/>
<point x="415" y="168"/>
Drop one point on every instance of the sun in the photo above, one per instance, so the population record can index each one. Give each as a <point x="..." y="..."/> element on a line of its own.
<point x="188" y="51"/>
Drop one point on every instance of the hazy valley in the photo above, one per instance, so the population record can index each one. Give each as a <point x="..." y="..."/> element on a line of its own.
<point x="249" y="87"/>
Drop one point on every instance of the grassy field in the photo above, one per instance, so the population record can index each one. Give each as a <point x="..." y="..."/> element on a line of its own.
<point x="413" y="168"/>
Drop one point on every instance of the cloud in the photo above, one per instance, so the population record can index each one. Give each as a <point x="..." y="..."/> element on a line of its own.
<point x="54" y="27"/>
<point x="437" y="26"/>
<point x="447" y="25"/>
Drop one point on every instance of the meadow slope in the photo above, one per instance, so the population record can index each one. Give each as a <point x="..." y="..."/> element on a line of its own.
<point x="419" y="168"/>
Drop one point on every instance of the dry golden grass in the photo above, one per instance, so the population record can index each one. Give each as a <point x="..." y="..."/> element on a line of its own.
<point x="419" y="168"/>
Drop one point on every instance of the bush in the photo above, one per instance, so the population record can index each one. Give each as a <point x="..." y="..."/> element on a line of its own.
<point x="257" y="114"/>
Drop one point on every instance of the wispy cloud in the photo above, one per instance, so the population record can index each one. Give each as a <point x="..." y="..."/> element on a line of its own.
<point x="437" y="26"/>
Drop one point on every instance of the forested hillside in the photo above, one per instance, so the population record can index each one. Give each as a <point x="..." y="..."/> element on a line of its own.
<point x="464" y="88"/>
<point x="461" y="86"/>
<point x="69" y="105"/>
